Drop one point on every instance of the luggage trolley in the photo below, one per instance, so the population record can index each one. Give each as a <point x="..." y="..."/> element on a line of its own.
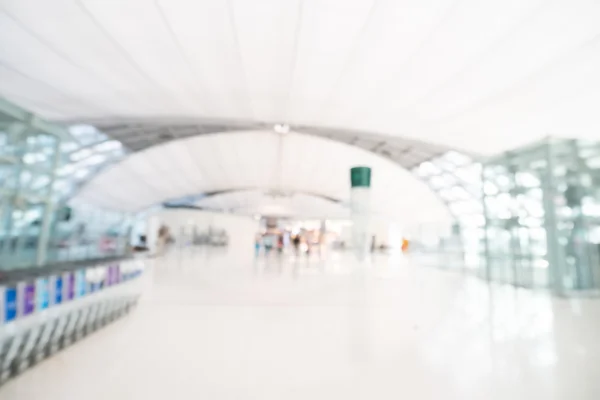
<point x="43" y="313"/>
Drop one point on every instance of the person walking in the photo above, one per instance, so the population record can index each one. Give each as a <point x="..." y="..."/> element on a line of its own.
<point x="280" y="243"/>
<point x="296" y="242"/>
<point x="257" y="244"/>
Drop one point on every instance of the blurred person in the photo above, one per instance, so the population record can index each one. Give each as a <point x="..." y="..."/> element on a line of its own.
<point x="321" y="243"/>
<point x="280" y="243"/>
<point x="163" y="238"/>
<point x="257" y="244"/>
<point x="296" y="243"/>
<point x="268" y="243"/>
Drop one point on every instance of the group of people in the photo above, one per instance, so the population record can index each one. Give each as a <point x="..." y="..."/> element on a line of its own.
<point x="279" y="241"/>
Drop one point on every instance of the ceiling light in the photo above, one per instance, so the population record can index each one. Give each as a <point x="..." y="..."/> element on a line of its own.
<point x="281" y="128"/>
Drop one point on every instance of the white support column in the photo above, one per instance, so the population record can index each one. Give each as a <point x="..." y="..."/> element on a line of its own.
<point x="360" y="207"/>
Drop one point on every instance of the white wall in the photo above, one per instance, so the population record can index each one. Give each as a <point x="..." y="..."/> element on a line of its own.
<point x="241" y="229"/>
<point x="380" y="229"/>
<point x="386" y="232"/>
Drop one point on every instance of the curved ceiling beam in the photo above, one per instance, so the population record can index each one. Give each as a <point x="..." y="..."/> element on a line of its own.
<point x="252" y="159"/>
<point x="274" y="192"/>
<point x="268" y="191"/>
<point x="141" y="134"/>
<point x="251" y="200"/>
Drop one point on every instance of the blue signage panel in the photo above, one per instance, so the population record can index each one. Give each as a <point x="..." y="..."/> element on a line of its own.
<point x="43" y="293"/>
<point x="58" y="290"/>
<point x="80" y="283"/>
<point x="111" y="275"/>
<point x="70" y="286"/>
<point x="29" y="298"/>
<point x="10" y="304"/>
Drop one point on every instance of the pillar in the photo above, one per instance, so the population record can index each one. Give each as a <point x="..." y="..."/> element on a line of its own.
<point x="360" y="209"/>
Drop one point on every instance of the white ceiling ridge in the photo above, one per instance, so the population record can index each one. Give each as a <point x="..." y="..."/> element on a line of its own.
<point x="126" y="54"/>
<point x="543" y="71"/>
<point x="476" y="58"/>
<point x="60" y="53"/>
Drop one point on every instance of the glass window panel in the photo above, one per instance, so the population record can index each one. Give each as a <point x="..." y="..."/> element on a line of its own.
<point x="32" y="158"/>
<point x="470" y="173"/>
<point x="109" y="145"/>
<point x="437" y="181"/>
<point x="527" y="179"/>
<point x="427" y="168"/>
<point x="84" y="134"/>
<point x="466" y="207"/>
<point x="67" y="169"/>
<point x="445" y="180"/>
<point x="81" y="154"/>
<point x="26" y="177"/>
<point x="447" y="194"/>
<point x="444" y="165"/>
<point x="476" y="220"/>
<point x="40" y="181"/>
<point x="67" y="147"/>
<point x="460" y="193"/>
<point x="81" y="173"/>
<point x="93" y="160"/>
<point x="456" y="158"/>
<point x="593" y="162"/>
<point x="490" y="189"/>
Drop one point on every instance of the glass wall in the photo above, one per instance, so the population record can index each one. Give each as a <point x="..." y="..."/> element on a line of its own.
<point x="41" y="165"/>
<point x="516" y="245"/>
<point x="82" y="232"/>
<point x="542" y="209"/>
<point x="28" y="172"/>
<point x="456" y="178"/>
<point x="529" y="217"/>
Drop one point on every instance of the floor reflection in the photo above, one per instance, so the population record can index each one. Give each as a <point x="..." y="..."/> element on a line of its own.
<point x="222" y="323"/>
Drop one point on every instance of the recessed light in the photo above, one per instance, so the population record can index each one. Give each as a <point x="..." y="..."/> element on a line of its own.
<point x="281" y="128"/>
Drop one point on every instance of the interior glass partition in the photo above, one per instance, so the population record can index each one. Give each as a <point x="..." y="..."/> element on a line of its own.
<point x="542" y="214"/>
<point x="456" y="178"/>
<point x="31" y="159"/>
<point x="41" y="165"/>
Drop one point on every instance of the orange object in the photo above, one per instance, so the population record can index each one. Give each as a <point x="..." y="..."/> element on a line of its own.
<point x="404" y="244"/>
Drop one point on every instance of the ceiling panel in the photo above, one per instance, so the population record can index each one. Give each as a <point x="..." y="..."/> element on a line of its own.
<point x="327" y="36"/>
<point x="477" y="76"/>
<point x="207" y="36"/>
<point x="266" y="33"/>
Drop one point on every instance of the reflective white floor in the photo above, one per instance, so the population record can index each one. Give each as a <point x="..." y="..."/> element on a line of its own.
<point x="219" y="325"/>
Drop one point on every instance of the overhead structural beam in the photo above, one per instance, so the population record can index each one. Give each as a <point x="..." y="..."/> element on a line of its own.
<point x="216" y="193"/>
<point x="33" y="122"/>
<point x="140" y="134"/>
<point x="378" y="146"/>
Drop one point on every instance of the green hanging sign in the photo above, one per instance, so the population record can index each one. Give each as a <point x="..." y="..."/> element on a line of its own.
<point x="360" y="177"/>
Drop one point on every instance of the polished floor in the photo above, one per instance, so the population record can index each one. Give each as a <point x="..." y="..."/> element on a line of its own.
<point x="219" y="324"/>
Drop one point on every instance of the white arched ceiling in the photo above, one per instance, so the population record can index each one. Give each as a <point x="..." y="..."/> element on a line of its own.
<point x="264" y="202"/>
<point x="280" y="164"/>
<point x="482" y="76"/>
